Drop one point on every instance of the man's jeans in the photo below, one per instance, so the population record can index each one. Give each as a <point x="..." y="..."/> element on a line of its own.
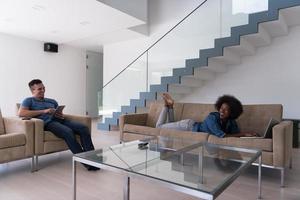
<point x="67" y="130"/>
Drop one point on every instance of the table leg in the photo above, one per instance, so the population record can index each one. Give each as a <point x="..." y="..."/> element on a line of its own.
<point x="259" y="177"/>
<point x="200" y="164"/>
<point x="74" y="179"/>
<point x="181" y="159"/>
<point x="126" y="189"/>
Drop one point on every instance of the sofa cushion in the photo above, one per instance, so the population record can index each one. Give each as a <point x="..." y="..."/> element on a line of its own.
<point x="144" y="130"/>
<point x="49" y="136"/>
<point x="2" y="130"/>
<point x="197" y="112"/>
<point x="12" y="140"/>
<point x="255" y="118"/>
<point x="251" y="143"/>
<point x="155" y="109"/>
<point x="197" y="136"/>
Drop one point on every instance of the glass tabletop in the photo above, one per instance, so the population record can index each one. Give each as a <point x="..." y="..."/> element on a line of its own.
<point x="130" y="154"/>
<point x="197" y="165"/>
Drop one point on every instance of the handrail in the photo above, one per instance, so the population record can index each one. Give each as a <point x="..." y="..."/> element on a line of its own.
<point x="154" y="43"/>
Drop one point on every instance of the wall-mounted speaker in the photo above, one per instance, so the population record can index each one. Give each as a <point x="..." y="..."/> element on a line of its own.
<point x="50" y="47"/>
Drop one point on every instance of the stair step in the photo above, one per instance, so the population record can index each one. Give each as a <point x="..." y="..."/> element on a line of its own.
<point x="262" y="38"/>
<point x="103" y="126"/>
<point x="244" y="49"/>
<point x="148" y="95"/>
<point x="185" y="71"/>
<point x="204" y="73"/>
<point x="220" y="43"/>
<point x="276" y="28"/>
<point x="170" y="80"/>
<point x="191" y="82"/>
<point x="158" y="88"/>
<point x="291" y="15"/>
<point x="111" y="121"/>
<point x="216" y="66"/>
<point x="117" y="114"/>
<point x="137" y="102"/>
<point x="128" y="109"/>
<point x="228" y="58"/>
<point x="212" y="52"/>
<point x="179" y="89"/>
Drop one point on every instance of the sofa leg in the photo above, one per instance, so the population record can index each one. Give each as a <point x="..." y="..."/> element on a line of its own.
<point x="36" y="163"/>
<point x="282" y="177"/>
<point x="32" y="164"/>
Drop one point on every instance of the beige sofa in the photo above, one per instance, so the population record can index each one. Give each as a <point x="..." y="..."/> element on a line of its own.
<point x="16" y="139"/>
<point x="276" y="152"/>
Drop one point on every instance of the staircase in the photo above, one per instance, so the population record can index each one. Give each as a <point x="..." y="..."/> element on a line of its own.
<point x="227" y="51"/>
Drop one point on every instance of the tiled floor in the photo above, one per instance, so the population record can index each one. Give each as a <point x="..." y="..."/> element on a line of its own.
<point x="54" y="181"/>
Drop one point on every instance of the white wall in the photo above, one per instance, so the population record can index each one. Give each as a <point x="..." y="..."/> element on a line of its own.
<point x="270" y="76"/>
<point x="63" y="73"/>
<point x="94" y="81"/>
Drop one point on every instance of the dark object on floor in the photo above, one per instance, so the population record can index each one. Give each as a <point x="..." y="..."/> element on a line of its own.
<point x="143" y="145"/>
<point x="91" y="168"/>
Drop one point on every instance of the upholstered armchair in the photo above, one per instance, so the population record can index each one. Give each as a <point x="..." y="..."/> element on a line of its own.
<point x="46" y="142"/>
<point x="16" y="139"/>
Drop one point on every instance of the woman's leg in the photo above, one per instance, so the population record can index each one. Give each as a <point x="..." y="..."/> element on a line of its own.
<point x="171" y="115"/>
<point x="162" y="117"/>
<point x="182" y="125"/>
<point x="167" y="113"/>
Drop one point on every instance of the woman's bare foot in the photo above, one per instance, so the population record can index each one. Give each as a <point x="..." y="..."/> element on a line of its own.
<point x="168" y="99"/>
<point x="165" y="99"/>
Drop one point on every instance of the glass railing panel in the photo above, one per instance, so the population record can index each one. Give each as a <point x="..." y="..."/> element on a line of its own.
<point x="213" y="20"/>
<point x="197" y="31"/>
<point x="124" y="87"/>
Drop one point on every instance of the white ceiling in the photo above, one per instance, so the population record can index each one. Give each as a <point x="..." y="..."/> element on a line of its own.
<point x="83" y="23"/>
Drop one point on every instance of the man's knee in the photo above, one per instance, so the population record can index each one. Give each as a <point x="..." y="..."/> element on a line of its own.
<point x="84" y="129"/>
<point x="69" y="134"/>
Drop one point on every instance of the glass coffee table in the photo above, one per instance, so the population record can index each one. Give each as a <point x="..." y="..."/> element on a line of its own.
<point x="196" y="168"/>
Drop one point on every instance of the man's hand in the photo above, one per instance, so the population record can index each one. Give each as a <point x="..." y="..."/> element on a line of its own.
<point x="49" y="111"/>
<point x="59" y="115"/>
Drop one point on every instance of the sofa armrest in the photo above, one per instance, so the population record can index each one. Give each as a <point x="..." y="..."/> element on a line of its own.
<point x="135" y="119"/>
<point x="17" y="125"/>
<point x="39" y="135"/>
<point x="86" y="120"/>
<point x="282" y="144"/>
